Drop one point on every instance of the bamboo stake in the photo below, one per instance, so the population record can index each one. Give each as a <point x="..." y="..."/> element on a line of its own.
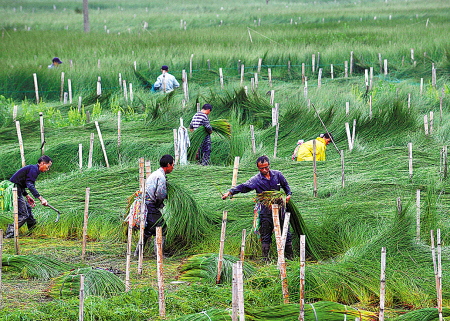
<point x="445" y="162"/>
<point x="85" y="223"/>
<point x="159" y="271"/>
<point x="272" y="98"/>
<point x="221" y="77"/>
<point x="431" y="122"/>
<point x="240" y="287"/>
<point x="433" y="255"/>
<point x="256" y="81"/>
<point x="313" y="63"/>
<point x="41" y="122"/>
<point x="439" y="269"/>
<point x="80" y="156"/>
<point x="62" y="86"/>
<point x="382" y="283"/>
<point x="101" y="142"/>
<point x="425" y="123"/>
<point x="242" y="74"/>
<point x="399" y="205"/>
<point x="36" y="88"/>
<point x="15" y="113"/>
<point x="351" y="62"/>
<point x="440" y="107"/>
<point x="91" y="150"/>
<point x="125" y="91"/>
<point x="303" y="73"/>
<point x="175" y="145"/>
<point x="301" y="317"/>
<point x="319" y="78"/>
<point x="347" y="108"/>
<point x="79" y="104"/>
<point x="370" y="107"/>
<point x="385" y="67"/>
<point x="222" y="245"/>
<point x="119" y="113"/>
<point x="148" y="169"/>
<point x="305" y="90"/>
<point x="69" y="84"/>
<point x="190" y="66"/>
<point x="421" y="86"/>
<point x="81" y="309"/>
<point x="270" y="77"/>
<point x="198" y="107"/>
<point x="259" y="65"/>
<point x="332" y="73"/>
<point x="234" y="294"/>
<point x="276" y="141"/>
<point x="120" y="81"/>
<point x="371" y="79"/>
<point x="19" y="136"/>
<point x="141" y="216"/>
<point x="99" y="88"/>
<point x="280" y="250"/>
<point x="284" y="232"/>
<point x="409" y="101"/>
<point x="128" y="262"/>
<point x="244" y="231"/>
<point x="342" y="166"/>
<point x="433" y="77"/>
<point x="349" y="138"/>
<point x="353" y="133"/>
<point x="65" y="98"/>
<point x="16" y="220"/>
<point x="235" y="171"/>
<point x="314" y="169"/>
<point x="418" y="215"/>
<point x="131" y="92"/>
<point x="346" y="69"/>
<point x="410" y="160"/>
<point x="252" y="131"/>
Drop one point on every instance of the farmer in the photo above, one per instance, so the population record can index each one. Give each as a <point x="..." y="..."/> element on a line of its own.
<point x="201" y="119"/>
<point x="305" y="151"/>
<point x="25" y="178"/>
<point x="55" y="63"/>
<point x="156" y="193"/>
<point x="266" y="180"/>
<point x="165" y="82"/>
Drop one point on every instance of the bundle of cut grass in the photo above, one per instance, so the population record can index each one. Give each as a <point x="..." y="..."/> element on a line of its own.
<point x="34" y="266"/>
<point x="428" y="314"/>
<point x="220" y="126"/>
<point x="6" y="196"/>
<point x="207" y="315"/>
<point x="97" y="282"/>
<point x="322" y="310"/>
<point x="204" y="267"/>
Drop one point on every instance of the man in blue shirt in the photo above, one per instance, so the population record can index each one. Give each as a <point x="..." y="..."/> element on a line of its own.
<point x="165" y="82"/>
<point x="55" y="63"/>
<point x="26" y="178"/>
<point x="266" y="180"/>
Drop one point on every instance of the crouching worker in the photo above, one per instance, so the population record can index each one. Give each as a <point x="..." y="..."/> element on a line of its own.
<point x="156" y="193"/>
<point x="23" y="179"/>
<point x="305" y="151"/>
<point x="266" y="180"/>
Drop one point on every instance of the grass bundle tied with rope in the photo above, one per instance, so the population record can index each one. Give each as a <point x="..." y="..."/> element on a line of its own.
<point x="427" y="314"/>
<point x="34" y="266"/>
<point x="268" y="198"/>
<point x="322" y="310"/>
<point x="97" y="282"/>
<point x="203" y="267"/>
<point x="220" y="127"/>
<point x="6" y="195"/>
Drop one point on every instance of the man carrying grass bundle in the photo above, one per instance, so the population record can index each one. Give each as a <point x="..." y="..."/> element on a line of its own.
<point x="156" y="193"/>
<point x="305" y="151"/>
<point x="266" y="180"/>
<point x="201" y="119"/>
<point x="25" y="178"/>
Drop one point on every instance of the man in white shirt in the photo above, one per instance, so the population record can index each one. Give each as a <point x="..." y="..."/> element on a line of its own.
<point x="165" y="82"/>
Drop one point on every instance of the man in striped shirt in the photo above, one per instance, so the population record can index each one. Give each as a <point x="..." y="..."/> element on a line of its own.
<point x="201" y="119"/>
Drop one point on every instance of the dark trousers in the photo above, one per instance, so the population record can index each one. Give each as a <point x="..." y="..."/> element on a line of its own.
<point x="154" y="220"/>
<point x="25" y="214"/>
<point x="266" y="225"/>
<point x="205" y="148"/>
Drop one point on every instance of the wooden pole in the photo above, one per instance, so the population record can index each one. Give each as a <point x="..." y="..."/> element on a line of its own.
<point x="148" y="169"/>
<point x="198" y="107"/>
<point x="276" y="141"/>
<point x="349" y="138"/>
<point x="256" y="81"/>
<point x="175" y="145"/>
<point x="440" y="107"/>
<point x="314" y="169"/>
<point x="353" y="132"/>
<point x="131" y="92"/>
<point x="159" y="272"/>
<point x="259" y="65"/>
<point x="222" y="245"/>
<point x="399" y="205"/>
<point x="240" y="287"/>
<point x="433" y="255"/>
<point x="119" y="114"/>
<point x="284" y="232"/>
<point x="319" y="78"/>
<point x="41" y="122"/>
<point x="65" y="98"/>
<point x="421" y="86"/>
<point x="381" y="63"/>
<point x="342" y="166"/>
<point x="371" y="78"/>
<point x="234" y="294"/>
<point x="347" y="108"/>
<point x="385" y="67"/>
<point x="303" y="73"/>
<point x="125" y="91"/>
<point x="19" y="136"/>
<point x="252" y="131"/>
<point x="270" y="77"/>
<point x="101" y="142"/>
<point x="235" y="171"/>
<point x="280" y="251"/>
<point x="425" y="124"/>
<point x="439" y="270"/>
<point x="62" y="86"/>
<point x="80" y="156"/>
<point x="221" y="77"/>
<point x="69" y="84"/>
<point x="81" y="309"/>
<point x="301" y="317"/>
<point x="370" y="107"/>
<point x="87" y="117"/>
<point x="99" y="88"/>
<point x="244" y="232"/>
<point x="242" y="74"/>
<point x="444" y="162"/>
<point x="313" y="63"/>
<point x="410" y="160"/>
<point x="15" y="113"/>
<point x="431" y="123"/>
<point x="16" y="220"/>
<point x="141" y="216"/>
<point x="85" y="223"/>
<point x="418" y="215"/>
<point x="79" y="104"/>
<point x="36" y="88"/>
<point x="346" y="69"/>
<point x="382" y="283"/>
<point x="433" y="77"/>
<point x="128" y="262"/>
<point x="91" y="150"/>
<point x="190" y="66"/>
<point x="332" y="73"/>
<point x="120" y="81"/>
<point x="351" y="62"/>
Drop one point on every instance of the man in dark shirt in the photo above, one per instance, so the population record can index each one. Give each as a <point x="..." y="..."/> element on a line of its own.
<point x="266" y="180"/>
<point x="26" y="178"/>
<point x="201" y="119"/>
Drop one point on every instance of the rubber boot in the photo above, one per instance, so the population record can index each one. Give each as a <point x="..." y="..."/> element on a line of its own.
<point x="9" y="232"/>
<point x="265" y="252"/>
<point x="136" y="253"/>
<point x="288" y="251"/>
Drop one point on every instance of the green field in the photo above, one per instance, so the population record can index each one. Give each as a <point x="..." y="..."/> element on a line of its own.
<point x="348" y="225"/>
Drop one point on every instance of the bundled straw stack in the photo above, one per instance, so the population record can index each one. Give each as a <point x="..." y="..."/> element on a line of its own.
<point x="34" y="266"/>
<point x="220" y="127"/>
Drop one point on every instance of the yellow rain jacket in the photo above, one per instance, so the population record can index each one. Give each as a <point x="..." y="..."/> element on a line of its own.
<point x="305" y="152"/>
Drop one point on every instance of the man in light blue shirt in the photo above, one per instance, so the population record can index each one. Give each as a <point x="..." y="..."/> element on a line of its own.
<point x="55" y="63"/>
<point x="165" y="82"/>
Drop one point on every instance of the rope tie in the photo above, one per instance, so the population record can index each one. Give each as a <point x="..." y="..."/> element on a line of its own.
<point x="314" y="310"/>
<point x="204" y="312"/>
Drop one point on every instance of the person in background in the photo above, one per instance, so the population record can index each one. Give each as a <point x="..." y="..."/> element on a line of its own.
<point x="266" y="180"/>
<point x="165" y="82"/>
<point x="201" y="119"/>
<point x="305" y="151"/>
<point x="25" y="178"/>
<point x="55" y="63"/>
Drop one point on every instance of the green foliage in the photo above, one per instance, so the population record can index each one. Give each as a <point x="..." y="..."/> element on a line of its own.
<point x="6" y="195"/>
<point x="34" y="266"/>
